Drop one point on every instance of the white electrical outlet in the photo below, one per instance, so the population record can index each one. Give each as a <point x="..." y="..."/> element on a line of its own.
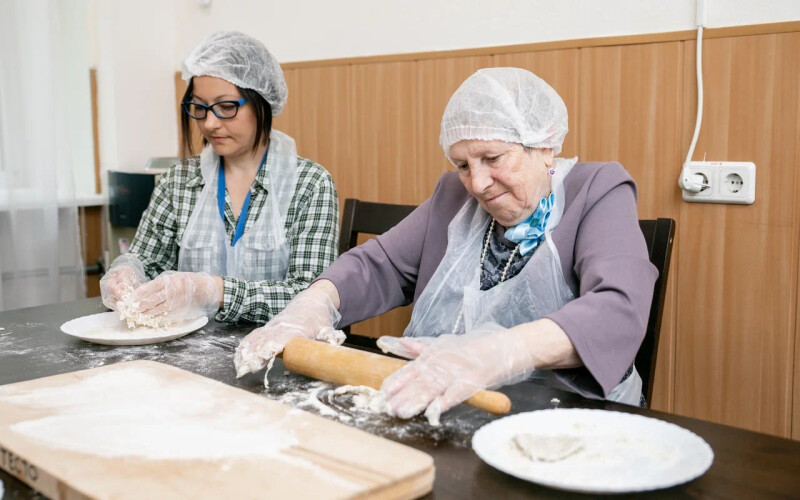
<point x="725" y="182"/>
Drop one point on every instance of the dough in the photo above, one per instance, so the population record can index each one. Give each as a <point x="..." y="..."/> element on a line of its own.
<point x="434" y="412"/>
<point x="128" y="311"/>
<point x="333" y="337"/>
<point x="365" y="398"/>
<point x="547" y="448"/>
<point x="372" y="401"/>
<point x="266" y="373"/>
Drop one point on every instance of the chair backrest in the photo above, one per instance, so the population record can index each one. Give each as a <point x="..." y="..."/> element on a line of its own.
<point x="370" y="218"/>
<point x="658" y="234"/>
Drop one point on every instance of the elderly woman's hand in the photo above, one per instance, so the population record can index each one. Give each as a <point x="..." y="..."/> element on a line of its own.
<point x="450" y="368"/>
<point x="312" y="314"/>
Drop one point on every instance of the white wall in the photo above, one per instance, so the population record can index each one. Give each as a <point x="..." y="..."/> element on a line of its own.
<point x="74" y="46"/>
<point x="134" y="56"/>
<point x="138" y="45"/>
<point x="299" y="30"/>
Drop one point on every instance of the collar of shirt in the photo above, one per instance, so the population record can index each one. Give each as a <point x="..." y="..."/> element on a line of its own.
<point x="195" y="178"/>
<point x="262" y="179"/>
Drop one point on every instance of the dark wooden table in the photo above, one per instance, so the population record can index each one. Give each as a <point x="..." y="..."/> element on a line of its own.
<point x="746" y="464"/>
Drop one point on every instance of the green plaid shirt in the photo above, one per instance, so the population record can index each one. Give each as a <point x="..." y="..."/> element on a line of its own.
<point x="312" y="231"/>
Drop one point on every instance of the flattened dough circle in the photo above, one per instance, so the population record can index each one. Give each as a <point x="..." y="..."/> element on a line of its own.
<point x="547" y="448"/>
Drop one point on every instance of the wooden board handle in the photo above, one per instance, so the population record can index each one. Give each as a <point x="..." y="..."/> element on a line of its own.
<point x="346" y="366"/>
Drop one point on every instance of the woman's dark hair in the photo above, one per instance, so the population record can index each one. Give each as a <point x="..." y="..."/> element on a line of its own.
<point x="261" y="108"/>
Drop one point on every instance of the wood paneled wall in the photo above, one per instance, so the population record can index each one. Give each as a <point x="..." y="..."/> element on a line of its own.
<point x="730" y="326"/>
<point x="90" y="220"/>
<point x="738" y="265"/>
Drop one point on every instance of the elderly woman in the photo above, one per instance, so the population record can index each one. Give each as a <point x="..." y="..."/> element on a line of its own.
<point x="518" y="262"/>
<point x="248" y="224"/>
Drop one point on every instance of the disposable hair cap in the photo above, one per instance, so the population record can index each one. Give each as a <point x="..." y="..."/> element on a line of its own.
<point x="241" y="60"/>
<point x="507" y="104"/>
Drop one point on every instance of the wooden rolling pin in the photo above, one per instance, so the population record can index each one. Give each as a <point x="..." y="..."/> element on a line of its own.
<point x="346" y="366"/>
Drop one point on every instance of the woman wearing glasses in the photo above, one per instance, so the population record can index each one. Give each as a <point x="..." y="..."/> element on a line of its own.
<point x="247" y="225"/>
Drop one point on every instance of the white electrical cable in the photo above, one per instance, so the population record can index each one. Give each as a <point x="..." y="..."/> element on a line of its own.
<point x="696" y="182"/>
<point x="699" y="119"/>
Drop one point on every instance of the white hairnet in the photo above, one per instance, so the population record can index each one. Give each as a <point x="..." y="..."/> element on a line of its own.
<point x="507" y="104"/>
<point x="241" y="60"/>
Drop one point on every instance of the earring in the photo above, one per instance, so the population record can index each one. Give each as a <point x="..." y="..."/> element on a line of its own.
<point x="552" y="171"/>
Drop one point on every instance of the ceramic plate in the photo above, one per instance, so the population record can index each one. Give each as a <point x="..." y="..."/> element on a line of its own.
<point x="106" y="328"/>
<point x="621" y="452"/>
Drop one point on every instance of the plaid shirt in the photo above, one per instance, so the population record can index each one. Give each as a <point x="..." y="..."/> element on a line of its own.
<point x="312" y="232"/>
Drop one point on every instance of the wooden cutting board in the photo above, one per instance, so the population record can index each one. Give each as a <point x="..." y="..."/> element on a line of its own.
<point x="143" y="429"/>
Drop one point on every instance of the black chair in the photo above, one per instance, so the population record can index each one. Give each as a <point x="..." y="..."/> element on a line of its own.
<point x="377" y="218"/>
<point x="368" y="218"/>
<point x="658" y="234"/>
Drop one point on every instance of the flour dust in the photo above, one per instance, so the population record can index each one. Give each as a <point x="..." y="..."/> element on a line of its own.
<point x="357" y="408"/>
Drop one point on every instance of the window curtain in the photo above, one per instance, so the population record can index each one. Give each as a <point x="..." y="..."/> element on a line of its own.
<point x="40" y="244"/>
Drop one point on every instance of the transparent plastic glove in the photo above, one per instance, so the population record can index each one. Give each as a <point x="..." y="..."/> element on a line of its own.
<point x="173" y="297"/>
<point x="124" y="276"/>
<point x="311" y="314"/>
<point x="450" y="368"/>
<point x="405" y="347"/>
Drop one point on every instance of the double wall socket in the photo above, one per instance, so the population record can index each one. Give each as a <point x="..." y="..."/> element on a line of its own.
<point x="724" y="182"/>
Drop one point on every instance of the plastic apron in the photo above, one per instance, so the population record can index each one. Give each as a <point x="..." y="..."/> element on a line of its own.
<point x="262" y="252"/>
<point x="538" y="290"/>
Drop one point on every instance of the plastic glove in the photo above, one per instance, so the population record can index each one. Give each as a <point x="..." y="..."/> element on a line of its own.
<point x="123" y="277"/>
<point x="172" y="297"/>
<point x="450" y="368"/>
<point x="311" y="314"/>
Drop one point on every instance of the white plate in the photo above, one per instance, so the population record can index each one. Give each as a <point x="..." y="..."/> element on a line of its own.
<point x="622" y="452"/>
<point x="106" y="328"/>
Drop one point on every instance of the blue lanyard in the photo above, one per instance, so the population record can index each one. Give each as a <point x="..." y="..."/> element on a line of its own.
<point x="221" y="199"/>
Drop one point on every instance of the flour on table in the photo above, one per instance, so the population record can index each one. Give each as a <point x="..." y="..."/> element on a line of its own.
<point x="130" y="412"/>
<point x="310" y="400"/>
<point x="204" y="352"/>
<point x="547" y="448"/>
<point x="362" y="407"/>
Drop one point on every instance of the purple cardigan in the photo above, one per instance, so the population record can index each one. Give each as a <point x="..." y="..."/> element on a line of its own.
<point x="603" y="256"/>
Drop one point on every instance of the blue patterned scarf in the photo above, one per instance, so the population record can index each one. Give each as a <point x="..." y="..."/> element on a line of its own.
<point x="530" y="233"/>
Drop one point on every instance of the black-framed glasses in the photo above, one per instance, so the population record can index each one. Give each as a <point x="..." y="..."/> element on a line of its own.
<point x="224" y="110"/>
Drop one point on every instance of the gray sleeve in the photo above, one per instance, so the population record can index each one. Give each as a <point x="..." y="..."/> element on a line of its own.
<point x="607" y="321"/>
<point x="382" y="273"/>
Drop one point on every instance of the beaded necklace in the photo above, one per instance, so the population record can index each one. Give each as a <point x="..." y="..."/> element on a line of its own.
<point x="486" y="247"/>
<point x="480" y="269"/>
